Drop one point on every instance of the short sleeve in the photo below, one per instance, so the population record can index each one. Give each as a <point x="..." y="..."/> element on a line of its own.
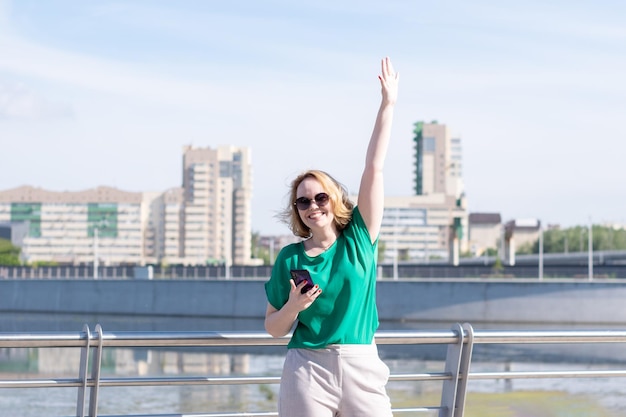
<point x="358" y="231"/>
<point x="278" y="287"/>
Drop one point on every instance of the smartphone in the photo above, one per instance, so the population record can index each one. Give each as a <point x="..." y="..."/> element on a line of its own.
<point x="300" y="275"/>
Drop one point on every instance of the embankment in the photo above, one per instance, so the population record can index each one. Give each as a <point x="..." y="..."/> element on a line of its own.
<point x="599" y="302"/>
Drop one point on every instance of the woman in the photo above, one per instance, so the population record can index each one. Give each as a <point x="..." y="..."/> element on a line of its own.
<point x="332" y="366"/>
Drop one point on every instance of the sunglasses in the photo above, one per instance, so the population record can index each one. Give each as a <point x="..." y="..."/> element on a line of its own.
<point x="304" y="203"/>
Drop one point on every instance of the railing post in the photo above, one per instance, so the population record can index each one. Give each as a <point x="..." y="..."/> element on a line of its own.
<point x="95" y="374"/>
<point x="82" y="374"/>
<point x="466" y="359"/>
<point x="453" y="363"/>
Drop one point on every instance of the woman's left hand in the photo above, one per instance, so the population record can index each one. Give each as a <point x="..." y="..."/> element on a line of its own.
<point x="389" y="81"/>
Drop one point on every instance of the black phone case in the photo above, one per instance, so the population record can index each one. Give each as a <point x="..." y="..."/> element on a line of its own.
<point x="300" y="275"/>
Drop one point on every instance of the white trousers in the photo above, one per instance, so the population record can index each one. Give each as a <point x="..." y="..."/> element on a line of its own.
<point x="337" y="381"/>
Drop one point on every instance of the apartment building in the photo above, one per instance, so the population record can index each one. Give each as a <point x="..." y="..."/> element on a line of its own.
<point x="170" y="233"/>
<point x="216" y="206"/>
<point x="74" y="227"/>
<point x="207" y="220"/>
<point x="433" y="223"/>
<point x="438" y="160"/>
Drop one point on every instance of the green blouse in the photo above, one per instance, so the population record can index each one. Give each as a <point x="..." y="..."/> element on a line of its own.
<point x="345" y="312"/>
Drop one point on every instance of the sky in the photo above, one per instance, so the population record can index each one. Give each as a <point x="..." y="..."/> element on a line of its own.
<point x="108" y="93"/>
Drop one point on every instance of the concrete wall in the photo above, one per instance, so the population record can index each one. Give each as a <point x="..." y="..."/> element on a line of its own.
<point x="493" y="301"/>
<point x="507" y="301"/>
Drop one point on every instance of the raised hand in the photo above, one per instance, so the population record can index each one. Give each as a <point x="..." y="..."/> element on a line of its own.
<point x="389" y="81"/>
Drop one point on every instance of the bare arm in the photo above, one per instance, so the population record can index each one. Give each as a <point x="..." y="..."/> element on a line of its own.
<point x="279" y="322"/>
<point x="371" y="198"/>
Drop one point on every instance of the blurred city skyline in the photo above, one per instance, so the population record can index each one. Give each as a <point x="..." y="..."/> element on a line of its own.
<point x="108" y="93"/>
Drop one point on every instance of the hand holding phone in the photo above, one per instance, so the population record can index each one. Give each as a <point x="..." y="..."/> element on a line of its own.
<point x="300" y="275"/>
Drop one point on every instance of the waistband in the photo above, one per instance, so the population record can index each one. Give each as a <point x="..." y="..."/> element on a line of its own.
<point x="350" y="349"/>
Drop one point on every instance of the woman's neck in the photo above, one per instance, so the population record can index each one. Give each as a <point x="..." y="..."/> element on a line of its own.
<point x="320" y="242"/>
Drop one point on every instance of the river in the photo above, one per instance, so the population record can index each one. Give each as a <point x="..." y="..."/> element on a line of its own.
<point x="606" y="394"/>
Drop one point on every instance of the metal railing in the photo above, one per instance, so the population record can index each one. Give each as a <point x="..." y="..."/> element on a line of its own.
<point x="603" y="267"/>
<point x="460" y="341"/>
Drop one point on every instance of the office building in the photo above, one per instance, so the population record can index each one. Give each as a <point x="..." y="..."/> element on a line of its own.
<point x="419" y="228"/>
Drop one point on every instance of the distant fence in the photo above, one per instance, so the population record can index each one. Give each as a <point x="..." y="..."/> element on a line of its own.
<point x="126" y="272"/>
<point x="264" y="271"/>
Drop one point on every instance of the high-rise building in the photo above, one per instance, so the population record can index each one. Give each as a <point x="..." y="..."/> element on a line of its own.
<point x="169" y="236"/>
<point x="216" y="205"/>
<point x="207" y="220"/>
<point x="438" y="160"/>
<point x="432" y="224"/>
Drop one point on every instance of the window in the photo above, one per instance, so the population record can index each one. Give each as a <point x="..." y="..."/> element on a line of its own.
<point x="104" y="217"/>
<point x="429" y="144"/>
<point x="28" y="212"/>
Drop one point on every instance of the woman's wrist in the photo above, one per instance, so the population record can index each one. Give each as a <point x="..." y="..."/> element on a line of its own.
<point x="387" y="102"/>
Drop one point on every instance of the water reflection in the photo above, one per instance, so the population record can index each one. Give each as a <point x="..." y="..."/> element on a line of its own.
<point x="31" y="363"/>
<point x="586" y="353"/>
<point x="257" y="361"/>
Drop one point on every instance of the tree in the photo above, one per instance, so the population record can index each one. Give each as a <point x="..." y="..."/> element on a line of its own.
<point x="9" y="254"/>
<point x="260" y="251"/>
<point x="576" y="239"/>
<point x="382" y="247"/>
<point x="498" y="268"/>
<point x="254" y="243"/>
<point x="490" y="252"/>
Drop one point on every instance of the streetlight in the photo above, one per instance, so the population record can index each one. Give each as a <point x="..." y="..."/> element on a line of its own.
<point x="395" y="247"/>
<point x="95" y="253"/>
<point x="590" y="250"/>
<point x="540" y="251"/>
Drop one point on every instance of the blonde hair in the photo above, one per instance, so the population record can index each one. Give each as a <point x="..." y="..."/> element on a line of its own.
<point x="341" y="204"/>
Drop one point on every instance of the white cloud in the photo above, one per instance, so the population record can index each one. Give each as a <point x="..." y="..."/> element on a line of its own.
<point x="19" y="102"/>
